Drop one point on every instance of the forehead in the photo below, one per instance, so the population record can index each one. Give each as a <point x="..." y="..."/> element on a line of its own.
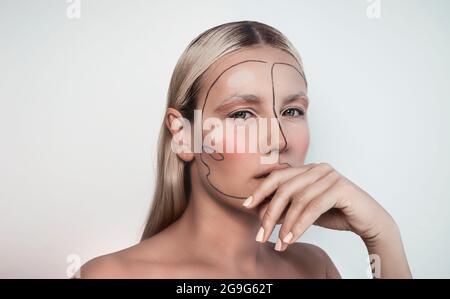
<point x="242" y="67"/>
<point x="263" y="53"/>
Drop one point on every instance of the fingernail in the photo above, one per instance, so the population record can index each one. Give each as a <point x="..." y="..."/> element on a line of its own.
<point x="278" y="245"/>
<point x="260" y="235"/>
<point x="288" y="238"/>
<point x="248" y="201"/>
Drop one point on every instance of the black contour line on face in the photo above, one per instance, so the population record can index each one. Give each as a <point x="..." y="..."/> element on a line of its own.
<point x="221" y="157"/>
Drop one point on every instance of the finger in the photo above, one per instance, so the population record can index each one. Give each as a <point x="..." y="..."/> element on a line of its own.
<point x="271" y="183"/>
<point x="262" y="208"/>
<point x="332" y="219"/>
<point x="314" y="210"/>
<point x="284" y="194"/>
<point x="302" y="199"/>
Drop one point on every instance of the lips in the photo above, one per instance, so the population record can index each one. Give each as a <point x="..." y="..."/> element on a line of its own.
<point x="268" y="171"/>
<point x="262" y="176"/>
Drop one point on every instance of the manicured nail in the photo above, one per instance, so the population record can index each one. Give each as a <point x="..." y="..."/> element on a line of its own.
<point x="248" y="201"/>
<point x="278" y="245"/>
<point x="288" y="238"/>
<point x="260" y="235"/>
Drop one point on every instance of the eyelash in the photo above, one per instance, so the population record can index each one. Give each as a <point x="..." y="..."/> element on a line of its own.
<point x="233" y="114"/>
<point x="300" y="111"/>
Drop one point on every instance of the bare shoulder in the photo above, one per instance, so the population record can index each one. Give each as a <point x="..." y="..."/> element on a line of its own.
<point x="127" y="263"/>
<point x="313" y="259"/>
<point x="105" y="266"/>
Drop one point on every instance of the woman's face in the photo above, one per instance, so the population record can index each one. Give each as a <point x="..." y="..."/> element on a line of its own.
<point x="254" y="88"/>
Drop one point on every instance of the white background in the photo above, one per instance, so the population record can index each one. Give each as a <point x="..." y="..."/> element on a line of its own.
<point x="81" y="102"/>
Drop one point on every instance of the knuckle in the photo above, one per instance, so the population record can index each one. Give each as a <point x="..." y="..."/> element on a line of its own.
<point x="282" y="190"/>
<point x="272" y="179"/>
<point x="315" y="206"/>
<point x="334" y="174"/>
<point x="299" y="198"/>
<point x="325" y="166"/>
<point x="268" y="217"/>
<point x="342" y="183"/>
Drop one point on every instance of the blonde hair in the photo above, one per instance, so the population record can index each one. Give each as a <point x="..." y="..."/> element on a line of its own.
<point x="173" y="184"/>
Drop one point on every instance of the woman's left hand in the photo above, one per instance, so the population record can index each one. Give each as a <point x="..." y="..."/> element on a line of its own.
<point x="316" y="194"/>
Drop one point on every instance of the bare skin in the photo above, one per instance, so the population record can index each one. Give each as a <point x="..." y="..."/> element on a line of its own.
<point x="215" y="237"/>
<point x="198" y="246"/>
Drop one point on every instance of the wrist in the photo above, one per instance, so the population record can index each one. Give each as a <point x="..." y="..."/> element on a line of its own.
<point x="387" y="248"/>
<point x="387" y="232"/>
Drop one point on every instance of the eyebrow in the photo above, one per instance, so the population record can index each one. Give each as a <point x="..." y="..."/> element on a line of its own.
<point x="253" y="99"/>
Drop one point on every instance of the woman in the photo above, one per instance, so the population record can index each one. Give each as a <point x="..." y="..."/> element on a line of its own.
<point x="214" y="210"/>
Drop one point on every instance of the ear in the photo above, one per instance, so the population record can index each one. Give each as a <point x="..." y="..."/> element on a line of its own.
<point x="180" y="129"/>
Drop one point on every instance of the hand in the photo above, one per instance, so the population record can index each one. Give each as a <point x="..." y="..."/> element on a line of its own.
<point x="316" y="194"/>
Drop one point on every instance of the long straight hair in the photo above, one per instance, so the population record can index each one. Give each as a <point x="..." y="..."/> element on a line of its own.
<point x="173" y="184"/>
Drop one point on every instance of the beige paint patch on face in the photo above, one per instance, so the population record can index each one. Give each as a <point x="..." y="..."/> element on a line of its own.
<point x="240" y="77"/>
<point x="259" y="53"/>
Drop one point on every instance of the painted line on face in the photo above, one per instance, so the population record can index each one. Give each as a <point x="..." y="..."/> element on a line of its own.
<point x="221" y="156"/>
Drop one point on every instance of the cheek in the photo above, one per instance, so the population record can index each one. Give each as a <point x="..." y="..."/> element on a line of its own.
<point x="236" y="139"/>
<point x="239" y="164"/>
<point x="298" y="140"/>
<point x="301" y="139"/>
<point x="237" y="161"/>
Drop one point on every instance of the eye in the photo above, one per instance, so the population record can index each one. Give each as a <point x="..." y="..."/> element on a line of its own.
<point x="244" y="114"/>
<point x="293" y="112"/>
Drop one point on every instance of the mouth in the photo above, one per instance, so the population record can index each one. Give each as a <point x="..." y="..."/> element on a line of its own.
<point x="267" y="172"/>
<point x="262" y="176"/>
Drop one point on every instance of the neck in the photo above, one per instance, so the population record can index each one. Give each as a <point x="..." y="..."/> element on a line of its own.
<point x="220" y="234"/>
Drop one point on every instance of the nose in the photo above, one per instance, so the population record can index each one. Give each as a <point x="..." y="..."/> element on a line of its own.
<point x="276" y="137"/>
